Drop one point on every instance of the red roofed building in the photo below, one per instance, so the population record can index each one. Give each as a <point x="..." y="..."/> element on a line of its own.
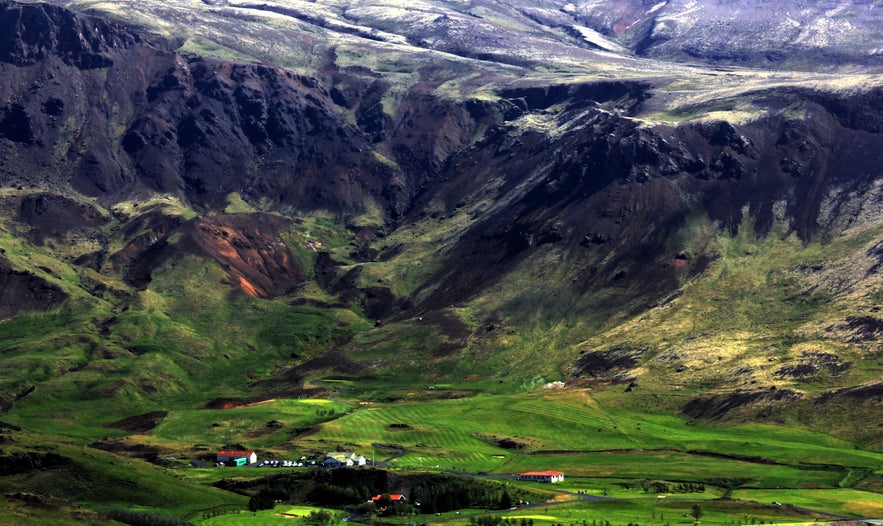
<point x="542" y="476"/>
<point x="393" y="497"/>
<point x="227" y="455"/>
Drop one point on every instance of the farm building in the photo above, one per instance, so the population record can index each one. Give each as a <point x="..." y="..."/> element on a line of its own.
<point x="238" y="458"/>
<point x="337" y="460"/>
<point x="542" y="476"/>
<point x="393" y="497"/>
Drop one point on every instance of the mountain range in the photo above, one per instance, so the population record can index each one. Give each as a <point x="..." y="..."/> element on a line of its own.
<point x="217" y="203"/>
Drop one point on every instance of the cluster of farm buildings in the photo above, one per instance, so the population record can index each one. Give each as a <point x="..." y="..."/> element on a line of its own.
<point x="339" y="459"/>
<point x="239" y="458"/>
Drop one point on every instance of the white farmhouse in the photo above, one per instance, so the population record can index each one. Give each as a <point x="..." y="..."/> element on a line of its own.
<point x="542" y="476"/>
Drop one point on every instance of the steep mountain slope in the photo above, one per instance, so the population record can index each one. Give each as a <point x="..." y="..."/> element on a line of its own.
<point x="483" y="193"/>
<point x="794" y="34"/>
<point x="226" y="203"/>
<point x="127" y="119"/>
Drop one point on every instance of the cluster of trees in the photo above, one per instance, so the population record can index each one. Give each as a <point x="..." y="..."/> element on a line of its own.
<point x="388" y="508"/>
<point x="666" y="487"/>
<point x="488" y="520"/>
<point x="320" y="518"/>
<point x="265" y="499"/>
<point x="658" y="486"/>
<point x="322" y="487"/>
<point x="143" y="518"/>
<point x="353" y="488"/>
<point x="446" y="493"/>
<point x="217" y="512"/>
<point x="347" y="486"/>
<point x="496" y="520"/>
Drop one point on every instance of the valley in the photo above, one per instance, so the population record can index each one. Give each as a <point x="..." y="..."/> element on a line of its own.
<point x="467" y="239"/>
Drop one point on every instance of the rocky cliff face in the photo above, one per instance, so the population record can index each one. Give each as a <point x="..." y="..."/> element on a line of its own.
<point x="89" y="105"/>
<point x="35" y="33"/>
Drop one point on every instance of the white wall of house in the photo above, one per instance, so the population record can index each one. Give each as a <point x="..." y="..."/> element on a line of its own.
<point x="251" y="457"/>
<point x="550" y="478"/>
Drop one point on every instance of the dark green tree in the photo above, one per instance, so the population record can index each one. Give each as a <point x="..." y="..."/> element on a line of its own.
<point x="696" y="512"/>
<point x="319" y="518"/>
<point x="505" y="501"/>
<point x="261" y="501"/>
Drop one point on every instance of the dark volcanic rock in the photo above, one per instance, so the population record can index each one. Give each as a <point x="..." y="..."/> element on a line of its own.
<point x="52" y="215"/>
<point x="139" y="424"/>
<point x="607" y="363"/>
<point x="34" y="32"/>
<point x="862" y="328"/>
<point x="118" y="447"/>
<point x="212" y="128"/>
<point x="872" y="392"/>
<point x="15" y="125"/>
<point x="813" y="364"/>
<point x="741" y="402"/>
<point x="117" y="118"/>
<point x="23" y="462"/>
<point x="23" y="291"/>
<point x="614" y="197"/>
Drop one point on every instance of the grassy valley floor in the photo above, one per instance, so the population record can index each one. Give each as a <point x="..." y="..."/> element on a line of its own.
<point x="622" y="464"/>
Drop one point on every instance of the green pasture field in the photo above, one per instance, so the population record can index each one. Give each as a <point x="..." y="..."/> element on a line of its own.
<point x="842" y="501"/>
<point x="618" y="488"/>
<point x="246" y="424"/>
<point x="648" y="512"/>
<point x="576" y="427"/>
<point x="281" y="514"/>
<point x="679" y="467"/>
<point x="208" y="476"/>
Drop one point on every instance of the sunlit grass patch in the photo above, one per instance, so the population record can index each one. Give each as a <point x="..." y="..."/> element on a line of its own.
<point x="843" y="501"/>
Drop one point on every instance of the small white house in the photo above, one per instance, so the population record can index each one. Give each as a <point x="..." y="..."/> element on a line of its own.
<point x="231" y="455"/>
<point x="550" y="477"/>
<point x="337" y="460"/>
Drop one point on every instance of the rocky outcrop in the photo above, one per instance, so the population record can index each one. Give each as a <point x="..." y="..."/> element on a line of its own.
<point x="139" y="424"/>
<point x="53" y="215"/>
<point x="249" y="247"/>
<point x="36" y="32"/>
<point x="23" y="462"/>
<point x="760" y="403"/>
<point x="22" y="291"/>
